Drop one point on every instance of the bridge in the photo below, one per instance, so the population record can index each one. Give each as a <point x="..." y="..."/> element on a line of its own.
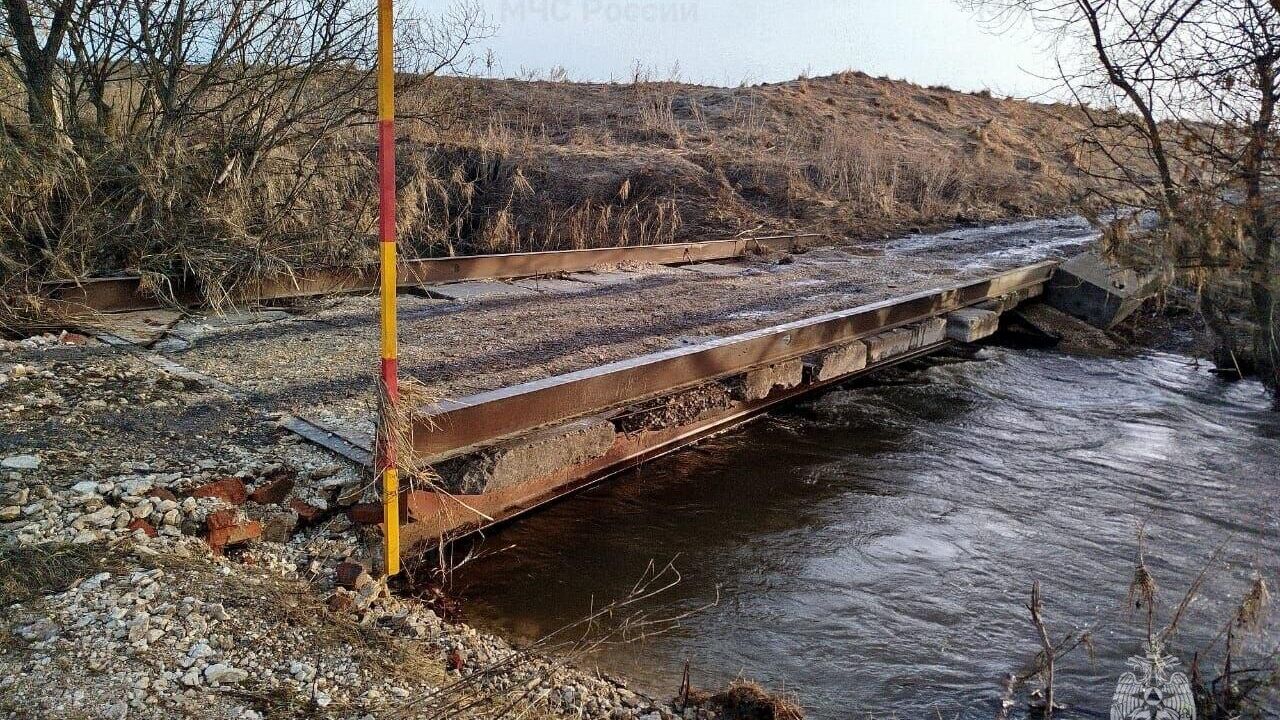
<point x="529" y="377"/>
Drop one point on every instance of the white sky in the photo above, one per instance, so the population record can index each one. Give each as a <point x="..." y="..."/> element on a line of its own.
<point x="724" y="42"/>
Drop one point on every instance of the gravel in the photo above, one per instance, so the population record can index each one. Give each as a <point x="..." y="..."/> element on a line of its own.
<point x="170" y="629"/>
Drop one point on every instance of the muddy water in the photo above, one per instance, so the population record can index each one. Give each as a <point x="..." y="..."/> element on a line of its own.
<point x="871" y="549"/>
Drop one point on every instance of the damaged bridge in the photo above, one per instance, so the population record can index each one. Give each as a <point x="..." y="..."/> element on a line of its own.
<point x="500" y="453"/>
<point x="530" y="378"/>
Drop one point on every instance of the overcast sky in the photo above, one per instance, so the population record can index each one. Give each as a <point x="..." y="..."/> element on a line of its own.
<point x="726" y="41"/>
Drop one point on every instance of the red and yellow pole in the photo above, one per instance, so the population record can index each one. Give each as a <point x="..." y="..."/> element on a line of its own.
<point x="386" y="464"/>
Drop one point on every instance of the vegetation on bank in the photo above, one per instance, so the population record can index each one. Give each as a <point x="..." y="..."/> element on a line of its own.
<point x="1232" y="676"/>
<point x="1191" y="87"/>
<point x="222" y="142"/>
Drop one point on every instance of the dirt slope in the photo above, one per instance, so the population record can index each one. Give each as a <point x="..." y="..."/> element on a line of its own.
<point x="546" y="164"/>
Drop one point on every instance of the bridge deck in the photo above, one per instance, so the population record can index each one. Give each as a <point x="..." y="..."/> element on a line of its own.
<point x="319" y="357"/>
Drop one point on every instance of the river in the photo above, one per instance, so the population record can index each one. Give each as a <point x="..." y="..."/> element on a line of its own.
<point x="870" y="550"/>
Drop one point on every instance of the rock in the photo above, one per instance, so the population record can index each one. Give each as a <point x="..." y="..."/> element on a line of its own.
<point x="162" y="494"/>
<point x="85" y="487"/>
<point x="279" y="526"/>
<point x="223" y="674"/>
<point x="201" y="650"/>
<point x="230" y="490"/>
<point x="10" y="513"/>
<point x="21" y="462"/>
<point x="302" y="672"/>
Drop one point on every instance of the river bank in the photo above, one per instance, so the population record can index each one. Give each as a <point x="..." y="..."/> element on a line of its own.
<point x="124" y="480"/>
<point x="115" y="476"/>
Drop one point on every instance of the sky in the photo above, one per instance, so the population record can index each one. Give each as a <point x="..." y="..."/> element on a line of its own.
<point x="727" y="42"/>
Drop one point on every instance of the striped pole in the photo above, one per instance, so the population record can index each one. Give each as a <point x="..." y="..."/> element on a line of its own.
<point x="386" y="464"/>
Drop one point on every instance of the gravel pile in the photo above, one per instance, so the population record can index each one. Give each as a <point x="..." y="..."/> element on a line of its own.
<point x="107" y="455"/>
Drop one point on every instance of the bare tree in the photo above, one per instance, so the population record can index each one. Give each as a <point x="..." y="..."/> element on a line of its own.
<point x="34" y="58"/>
<point x="221" y="140"/>
<point x="1191" y="87"/>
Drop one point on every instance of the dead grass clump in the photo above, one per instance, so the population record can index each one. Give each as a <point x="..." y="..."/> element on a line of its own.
<point x="32" y="571"/>
<point x="745" y="700"/>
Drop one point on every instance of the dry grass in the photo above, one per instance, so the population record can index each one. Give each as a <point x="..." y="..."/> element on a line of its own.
<point x="536" y="165"/>
<point x="32" y="571"/>
<point x="745" y="700"/>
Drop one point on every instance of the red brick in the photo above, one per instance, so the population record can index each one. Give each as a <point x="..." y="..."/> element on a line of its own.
<point x="456" y="661"/>
<point x="162" y="494"/>
<point x="348" y="573"/>
<point x="220" y="519"/>
<point x="307" y="513"/>
<point x="144" y="526"/>
<point x="273" y="491"/>
<point x="230" y="489"/>
<point x="222" y="537"/>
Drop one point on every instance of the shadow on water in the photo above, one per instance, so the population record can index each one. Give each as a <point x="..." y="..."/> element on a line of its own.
<point x="871" y="548"/>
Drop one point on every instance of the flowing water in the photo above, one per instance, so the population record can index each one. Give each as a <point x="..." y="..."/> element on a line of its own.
<point x="871" y="549"/>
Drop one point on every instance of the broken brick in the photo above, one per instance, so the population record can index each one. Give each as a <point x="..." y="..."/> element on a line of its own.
<point x="348" y="574"/>
<point x="144" y="526"/>
<point x="273" y="491"/>
<point x="307" y="513"/>
<point x="162" y="494"/>
<point x="342" y="601"/>
<point x="455" y="661"/>
<point x="224" y="529"/>
<point x="223" y="537"/>
<point x="220" y="519"/>
<point x="229" y="489"/>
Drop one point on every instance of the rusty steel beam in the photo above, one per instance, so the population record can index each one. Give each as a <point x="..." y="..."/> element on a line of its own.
<point x="451" y="427"/>
<point x="125" y="293"/>
<point x="433" y="516"/>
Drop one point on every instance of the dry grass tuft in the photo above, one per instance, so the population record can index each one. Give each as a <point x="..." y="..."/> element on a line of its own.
<point x="28" y="572"/>
<point x="745" y="700"/>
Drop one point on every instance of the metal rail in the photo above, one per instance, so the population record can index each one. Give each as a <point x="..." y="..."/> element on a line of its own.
<point x="436" y="516"/>
<point x="125" y="293"/>
<point x="451" y="427"/>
